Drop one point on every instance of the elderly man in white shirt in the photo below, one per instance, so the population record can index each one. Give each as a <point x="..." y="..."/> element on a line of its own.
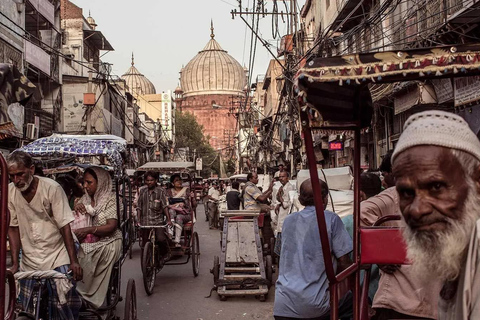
<point x="283" y="207"/>
<point x="40" y="225"/>
<point x="213" y="196"/>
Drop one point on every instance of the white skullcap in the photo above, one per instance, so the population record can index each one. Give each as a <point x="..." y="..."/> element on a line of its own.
<point x="437" y="128"/>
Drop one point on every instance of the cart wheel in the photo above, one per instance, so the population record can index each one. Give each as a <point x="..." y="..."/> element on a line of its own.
<point x="269" y="268"/>
<point x="131" y="237"/>
<point x="263" y="298"/>
<point x="131" y="301"/>
<point x="216" y="269"/>
<point x="223" y="298"/>
<point x="272" y="247"/>
<point x="195" y="252"/>
<point x="148" y="268"/>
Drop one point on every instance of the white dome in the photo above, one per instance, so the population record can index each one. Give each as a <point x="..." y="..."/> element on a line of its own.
<point x="137" y="82"/>
<point x="212" y="71"/>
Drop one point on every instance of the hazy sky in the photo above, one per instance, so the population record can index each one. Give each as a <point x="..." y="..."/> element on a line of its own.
<point x="166" y="34"/>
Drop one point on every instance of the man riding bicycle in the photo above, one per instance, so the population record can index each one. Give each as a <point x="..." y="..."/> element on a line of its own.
<point x="152" y="208"/>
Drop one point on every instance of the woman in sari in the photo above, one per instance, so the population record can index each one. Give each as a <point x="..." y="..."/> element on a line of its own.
<point x="98" y="257"/>
<point x="181" y="203"/>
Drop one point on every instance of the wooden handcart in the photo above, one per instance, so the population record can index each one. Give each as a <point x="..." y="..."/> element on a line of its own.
<point x="242" y="268"/>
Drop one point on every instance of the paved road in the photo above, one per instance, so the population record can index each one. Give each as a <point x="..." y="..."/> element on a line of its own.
<point x="180" y="296"/>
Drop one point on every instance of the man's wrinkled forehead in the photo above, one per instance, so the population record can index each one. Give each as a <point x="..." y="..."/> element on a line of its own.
<point x="16" y="167"/>
<point x="427" y="159"/>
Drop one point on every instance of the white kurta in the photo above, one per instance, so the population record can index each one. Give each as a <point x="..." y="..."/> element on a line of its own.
<point x="39" y="223"/>
<point x="466" y="303"/>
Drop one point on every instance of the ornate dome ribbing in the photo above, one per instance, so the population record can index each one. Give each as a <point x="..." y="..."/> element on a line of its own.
<point x="137" y="82"/>
<point x="212" y="71"/>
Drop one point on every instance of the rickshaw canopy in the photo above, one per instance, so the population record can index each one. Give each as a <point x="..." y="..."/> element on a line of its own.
<point x="167" y="167"/>
<point x="338" y="87"/>
<point x="67" y="146"/>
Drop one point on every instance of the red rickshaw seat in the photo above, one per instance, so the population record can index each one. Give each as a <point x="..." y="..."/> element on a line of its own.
<point x="382" y="245"/>
<point x="188" y="226"/>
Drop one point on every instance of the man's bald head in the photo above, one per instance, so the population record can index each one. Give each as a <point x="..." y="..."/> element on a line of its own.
<point x="306" y="193"/>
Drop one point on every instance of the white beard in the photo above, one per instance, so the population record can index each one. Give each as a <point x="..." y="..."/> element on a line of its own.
<point x="440" y="255"/>
<point x="27" y="185"/>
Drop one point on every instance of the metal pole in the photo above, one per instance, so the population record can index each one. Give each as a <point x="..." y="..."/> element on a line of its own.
<point x="3" y="231"/>
<point x="89" y="90"/>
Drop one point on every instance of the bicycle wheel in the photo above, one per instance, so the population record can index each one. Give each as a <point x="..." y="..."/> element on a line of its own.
<point x="148" y="268"/>
<point x="195" y="252"/>
<point x="131" y="301"/>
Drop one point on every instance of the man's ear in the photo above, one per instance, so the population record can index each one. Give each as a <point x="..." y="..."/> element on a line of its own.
<point x="476" y="178"/>
<point x="363" y="196"/>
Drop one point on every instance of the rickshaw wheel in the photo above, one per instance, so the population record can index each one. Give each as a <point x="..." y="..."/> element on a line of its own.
<point x="148" y="268"/>
<point x="269" y="268"/>
<point x="223" y="298"/>
<point x="263" y="298"/>
<point x="272" y="247"/>
<point x="216" y="269"/>
<point x="195" y="252"/>
<point x="131" y="301"/>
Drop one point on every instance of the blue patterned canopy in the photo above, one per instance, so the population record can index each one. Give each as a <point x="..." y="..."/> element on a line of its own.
<point x="67" y="146"/>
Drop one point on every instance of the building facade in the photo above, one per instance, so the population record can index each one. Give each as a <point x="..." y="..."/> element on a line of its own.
<point x="355" y="26"/>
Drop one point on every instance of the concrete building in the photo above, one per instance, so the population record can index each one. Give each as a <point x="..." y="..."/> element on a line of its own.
<point x="82" y="44"/>
<point x="158" y="110"/>
<point x="30" y="38"/>
<point x="356" y="26"/>
<point x="211" y="85"/>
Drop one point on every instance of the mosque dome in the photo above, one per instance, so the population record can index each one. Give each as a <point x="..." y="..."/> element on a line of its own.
<point x="212" y="71"/>
<point x="137" y="82"/>
<point x="91" y="21"/>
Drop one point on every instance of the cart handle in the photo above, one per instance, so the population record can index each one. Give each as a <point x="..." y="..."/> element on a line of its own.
<point x="151" y="227"/>
<point x="244" y="213"/>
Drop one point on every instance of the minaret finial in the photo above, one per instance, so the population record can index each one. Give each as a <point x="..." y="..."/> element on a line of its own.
<point x="89" y="13"/>
<point x="212" y="35"/>
<point x="133" y="60"/>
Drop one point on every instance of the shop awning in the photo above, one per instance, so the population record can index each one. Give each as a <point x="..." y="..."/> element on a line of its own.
<point x="98" y="40"/>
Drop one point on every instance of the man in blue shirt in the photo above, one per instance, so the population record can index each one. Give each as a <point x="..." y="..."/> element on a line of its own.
<point x="302" y="290"/>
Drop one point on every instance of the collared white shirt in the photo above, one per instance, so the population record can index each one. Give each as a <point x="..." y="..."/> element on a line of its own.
<point x="39" y="223"/>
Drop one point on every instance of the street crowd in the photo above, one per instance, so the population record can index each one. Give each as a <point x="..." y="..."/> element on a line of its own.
<point x="431" y="179"/>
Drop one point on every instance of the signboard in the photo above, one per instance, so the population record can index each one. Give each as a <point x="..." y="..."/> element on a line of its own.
<point x="199" y="164"/>
<point x="335" y="146"/>
<point x="466" y="90"/>
<point x="73" y="110"/>
<point x="166" y="117"/>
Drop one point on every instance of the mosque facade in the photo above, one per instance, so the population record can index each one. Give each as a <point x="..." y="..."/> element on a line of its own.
<point x="209" y="86"/>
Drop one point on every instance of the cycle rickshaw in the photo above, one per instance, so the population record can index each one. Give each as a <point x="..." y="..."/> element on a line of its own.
<point x="334" y="96"/>
<point x="71" y="149"/>
<point x="152" y="258"/>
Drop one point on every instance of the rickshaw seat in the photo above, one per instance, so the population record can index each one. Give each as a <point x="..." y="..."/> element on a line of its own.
<point x="188" y="226"/>
<point x="382" y="245"/>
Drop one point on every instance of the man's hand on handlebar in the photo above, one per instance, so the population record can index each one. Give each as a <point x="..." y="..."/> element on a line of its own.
<point x="14" y="269"/>
<point x="77" y="271"/>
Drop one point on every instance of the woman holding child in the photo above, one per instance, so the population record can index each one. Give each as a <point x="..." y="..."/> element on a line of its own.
<point x="101" y="243"/>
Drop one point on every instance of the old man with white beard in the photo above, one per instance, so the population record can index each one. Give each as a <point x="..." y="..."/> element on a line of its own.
<point x="436" y="164"/>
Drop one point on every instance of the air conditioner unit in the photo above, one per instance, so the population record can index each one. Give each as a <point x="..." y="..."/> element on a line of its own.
<point x="32" y="131"/>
